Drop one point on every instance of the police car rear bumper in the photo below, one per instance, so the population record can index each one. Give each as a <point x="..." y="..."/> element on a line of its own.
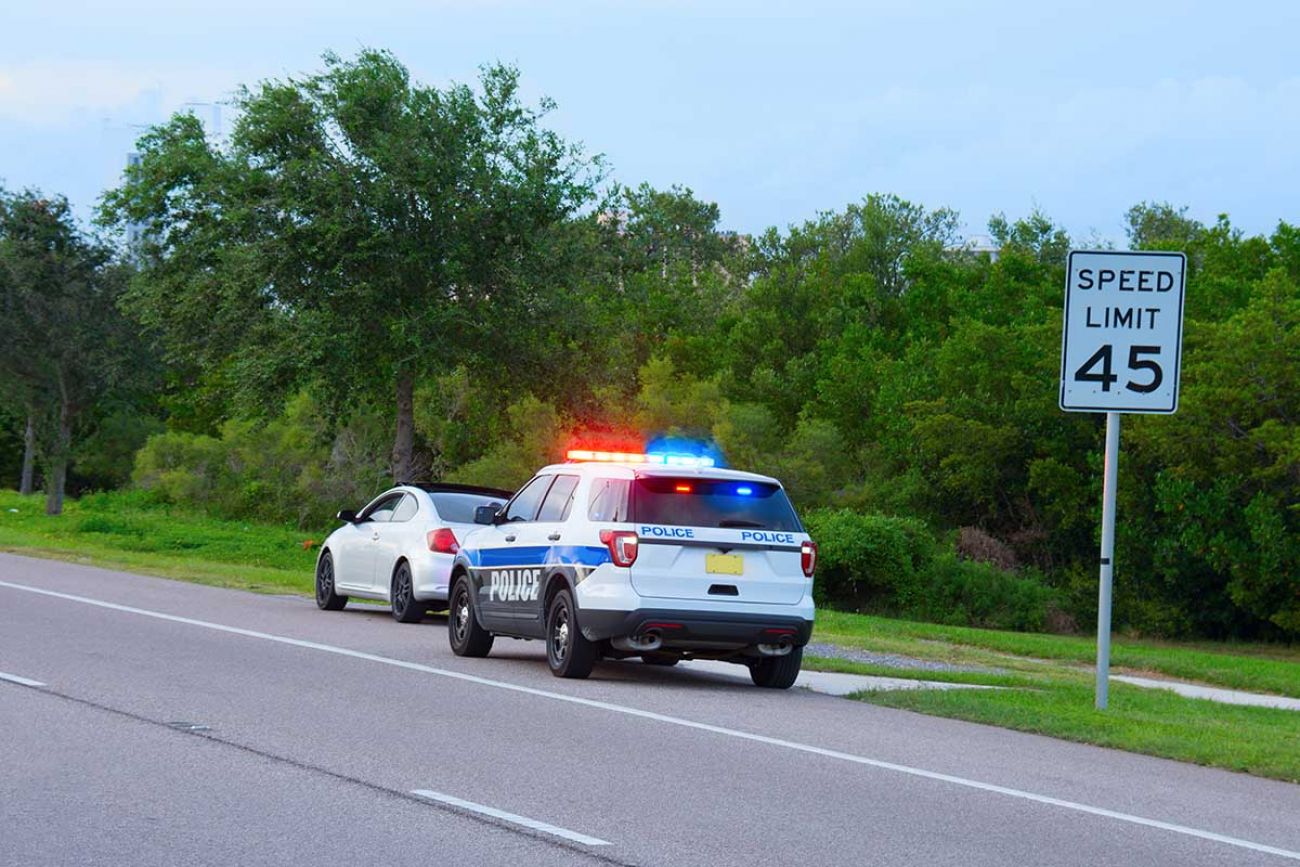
<point x="697" y="628"/>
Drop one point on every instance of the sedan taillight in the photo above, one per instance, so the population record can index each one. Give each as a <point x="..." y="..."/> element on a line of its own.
<point x="443" y="541"/>
<point x="808" y="557"/>
<point x="622" y="546"/>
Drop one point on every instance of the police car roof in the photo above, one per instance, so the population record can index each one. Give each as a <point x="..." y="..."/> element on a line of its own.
<point x="656" y="470"/>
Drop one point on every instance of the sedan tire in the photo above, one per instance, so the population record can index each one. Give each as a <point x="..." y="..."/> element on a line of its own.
<point x="326" y="598"/>
<point x="406" y="608"/>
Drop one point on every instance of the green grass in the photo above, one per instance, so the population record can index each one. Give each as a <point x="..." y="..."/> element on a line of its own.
<point x="1256" y="740"/>
<point x="127" y="530"/>
<point x="1046" y="686"/>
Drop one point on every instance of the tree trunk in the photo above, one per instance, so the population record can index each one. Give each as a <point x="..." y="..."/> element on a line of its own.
<point x="404" y="441"/>
<point x="27" y="482"/>
<point x="56" y="477"/>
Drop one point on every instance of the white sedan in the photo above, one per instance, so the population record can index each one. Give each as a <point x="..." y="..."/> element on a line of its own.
<point x="400" y="547"/>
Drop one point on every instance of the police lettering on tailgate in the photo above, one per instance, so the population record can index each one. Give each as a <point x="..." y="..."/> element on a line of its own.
<point x="764" y="536"/>
<point x="668" y="532"/>
<point x="514" y="585"/>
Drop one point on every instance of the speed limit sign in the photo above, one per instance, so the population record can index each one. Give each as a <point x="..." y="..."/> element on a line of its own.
<point x="1122" y="347"/>
<point x="1121" y="351"/>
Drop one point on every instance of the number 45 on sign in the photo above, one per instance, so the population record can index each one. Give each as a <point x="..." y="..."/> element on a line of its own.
<point x="1121" y="351"/>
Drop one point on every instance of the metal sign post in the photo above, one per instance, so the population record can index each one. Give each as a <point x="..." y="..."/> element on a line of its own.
<point x="1123" y="312"/>
<point x="1109" y="479"/>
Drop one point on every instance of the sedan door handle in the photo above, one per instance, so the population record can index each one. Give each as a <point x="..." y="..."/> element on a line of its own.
<point x="554" y="537"/>
<point x="375" y="537"/>
<point x="510" y="538"/>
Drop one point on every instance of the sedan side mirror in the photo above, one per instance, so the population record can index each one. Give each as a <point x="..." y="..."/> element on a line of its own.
<point x="487" y="514"/>
<point x="347" y="516"/>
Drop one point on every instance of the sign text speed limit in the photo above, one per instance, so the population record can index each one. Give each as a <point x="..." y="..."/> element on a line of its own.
<point x="1123" y="339"/>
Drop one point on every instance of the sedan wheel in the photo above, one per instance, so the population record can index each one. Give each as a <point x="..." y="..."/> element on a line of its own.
<point x="326" y="598"/>
<point x="406" y="608"/>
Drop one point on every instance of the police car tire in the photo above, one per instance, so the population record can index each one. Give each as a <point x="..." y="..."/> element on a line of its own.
<point x="474" y="639"/>
<point x="579" y="654"/>
<point x="326" y="598"/>
<point x="401" y="593"/>
<point x="777" y="672"/>
<point x="664" y="659"/>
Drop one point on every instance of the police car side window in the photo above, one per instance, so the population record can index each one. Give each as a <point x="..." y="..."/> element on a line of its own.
<point x="608" y="500"/>
<point x="524" y="506"/>
<point x="558" y="500"/>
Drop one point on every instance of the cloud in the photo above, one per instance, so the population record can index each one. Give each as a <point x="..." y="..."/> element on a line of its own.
<point x="61" y="93"/>
<point x="1084" y="153"/>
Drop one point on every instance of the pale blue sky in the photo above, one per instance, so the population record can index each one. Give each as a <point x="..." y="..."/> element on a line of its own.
<point x="775" y="110"/>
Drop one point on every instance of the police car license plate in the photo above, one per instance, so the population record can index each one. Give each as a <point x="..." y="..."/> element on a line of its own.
<point x="724" y="564"/>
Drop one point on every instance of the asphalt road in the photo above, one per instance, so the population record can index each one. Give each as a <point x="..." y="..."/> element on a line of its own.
<point x="319" y="728"/>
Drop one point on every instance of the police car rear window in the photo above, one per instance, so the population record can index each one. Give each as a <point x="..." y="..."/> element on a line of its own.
<point x="457" y="508"/>
<point x="692" y="502"/>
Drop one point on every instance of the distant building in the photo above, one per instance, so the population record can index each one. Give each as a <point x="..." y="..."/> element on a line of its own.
<point x="135" y="232"/>
<point x="977" y="245"/>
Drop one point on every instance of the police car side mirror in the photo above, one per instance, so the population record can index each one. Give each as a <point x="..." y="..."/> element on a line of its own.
<point x="347" y="515"/>
<point x="486" y="514"/>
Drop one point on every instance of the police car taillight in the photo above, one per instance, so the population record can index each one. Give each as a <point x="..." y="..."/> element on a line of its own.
<point x="622" y="546"/>
<point x="442" y="541"/>
<point x="808" y="558"/>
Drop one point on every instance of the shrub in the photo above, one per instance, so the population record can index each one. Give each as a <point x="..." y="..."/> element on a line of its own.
<point x="974" y="544"/>
<point x="970" y="593"/>
<point x="276" y="471"/>
<point x="891" y="565"/>
<point x="867" y="561"/>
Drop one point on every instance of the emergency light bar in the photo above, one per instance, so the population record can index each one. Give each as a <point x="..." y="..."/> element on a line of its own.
<point x="663" y="460"/>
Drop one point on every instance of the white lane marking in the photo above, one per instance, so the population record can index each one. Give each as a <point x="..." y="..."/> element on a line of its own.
<point x="545" y="828"/>
<point x="684" y="723"/>
<point x="21" y="681"/>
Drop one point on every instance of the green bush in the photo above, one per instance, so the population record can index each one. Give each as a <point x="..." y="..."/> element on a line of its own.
<point x="286" y="469"/>
<point x="968" y="593"/>
<point x="868" y="562"/>
<point x="889" y="565"/>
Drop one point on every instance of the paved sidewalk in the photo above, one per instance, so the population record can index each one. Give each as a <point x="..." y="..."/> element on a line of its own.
<point x="1211" y="693"/>
<point x="831" y="682"/>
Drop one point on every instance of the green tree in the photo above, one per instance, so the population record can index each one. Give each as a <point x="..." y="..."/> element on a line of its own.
<point x="359" y="231"/>
<point x="64" y="346"/>
<point x="1161" y="226"/>
<point x="1228" y="470"/>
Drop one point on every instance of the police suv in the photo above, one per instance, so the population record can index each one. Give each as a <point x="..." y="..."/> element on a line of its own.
<point x="658" y="556"/>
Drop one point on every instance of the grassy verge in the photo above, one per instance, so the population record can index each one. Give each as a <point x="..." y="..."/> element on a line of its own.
<point x="127" y="531"/>
<point x="1256" y="740"/>
<point x="1048" y="689"/>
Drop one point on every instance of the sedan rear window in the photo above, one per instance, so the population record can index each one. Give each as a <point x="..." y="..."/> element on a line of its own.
<point x="457" y="508"/>
<point x="690" y="502"/>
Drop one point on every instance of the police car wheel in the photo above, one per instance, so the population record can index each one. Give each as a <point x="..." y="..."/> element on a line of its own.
<point x="777" y="672"/>
<point x="567" y="652"/>
<point x="664" y="659"/>
<point x="326" y="598"/>
<point x="406" y="608"/>
<point x="467" y="638"/>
